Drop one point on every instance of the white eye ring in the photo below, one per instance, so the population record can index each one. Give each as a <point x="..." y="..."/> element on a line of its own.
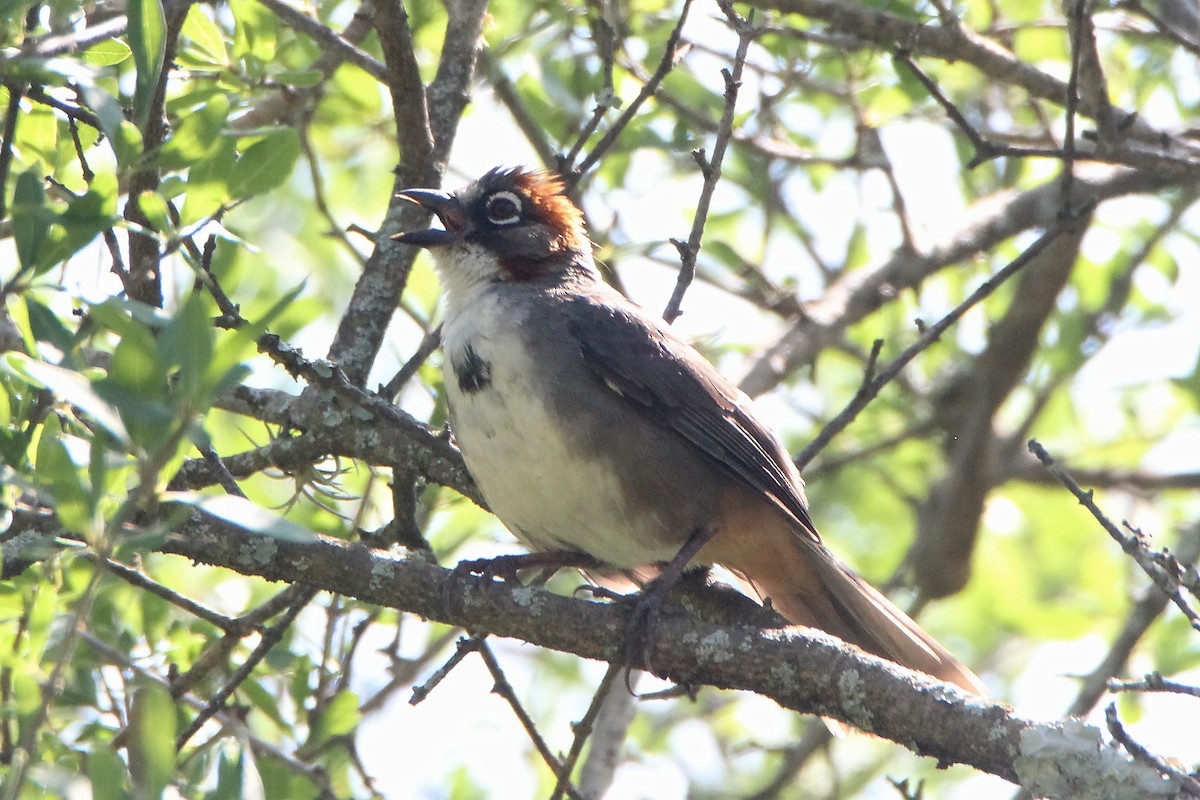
<point x="504" y="201"/>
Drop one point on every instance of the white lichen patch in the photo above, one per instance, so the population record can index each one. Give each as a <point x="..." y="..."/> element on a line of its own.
<point x="854" y="699"/>
<point x="1071" y="759"/>
<point x="783" y="674"/>
<point x="524" y="596"/>
<point x="259" y="550"/>
<point x="382" y="574"/>
<point x="715" y="647"/>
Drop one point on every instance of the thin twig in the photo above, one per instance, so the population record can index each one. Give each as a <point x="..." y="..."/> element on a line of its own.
<point x="137" y="578"/>
<point x="672" y="53"/>
<point x="404" y="669"/>
<point x="312" y="772"/>
<point x="711" y="168"/>
<point x="424" y="350"/>
<point x="224" y="477"/>
<point x="1135" y="546"/>
<point x="270" y="638"/>
<point x="357" y="633"/>
<point x="118" y="261"/>
<point x="86" y="170"/>
<point x="11" y="115"/>
<point x="985" y="149"/>
<point x="931" y="334"/>
<point x="1148" y="607"/>
<point x="53" y="687"/>
<point x="320" y="199"/>
<point x="502" y="687"/>
<point x="531" y="127"/>
<point x="327" y="38"/>
<point x="1188" y="784"/>
<point x="465" y="647"/>
<point x="72" y="113"/>
<point x="607" y="98"/>
<point x="1167" y="28"/>
<point x="64" y="44"/>
<point x="1154" y="682"/>
<point x="583" y="728"/>
<point x="816" y="737"/>
<point x="1075" y="19"/>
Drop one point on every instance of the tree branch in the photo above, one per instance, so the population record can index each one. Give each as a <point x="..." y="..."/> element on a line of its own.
<point x="804" y="671"/>
<point x="856" y="294"/>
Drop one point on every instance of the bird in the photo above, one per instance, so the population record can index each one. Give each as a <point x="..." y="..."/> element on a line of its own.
<point x="592" y="428"/>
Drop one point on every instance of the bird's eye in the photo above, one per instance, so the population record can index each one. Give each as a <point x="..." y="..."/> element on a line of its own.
<point x="503" y="208"/>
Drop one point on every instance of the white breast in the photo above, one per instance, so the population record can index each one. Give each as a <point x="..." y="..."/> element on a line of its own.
<point x="551" y="495"/>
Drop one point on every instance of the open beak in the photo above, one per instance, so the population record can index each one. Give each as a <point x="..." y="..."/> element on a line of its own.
<point x="448" y="210"/>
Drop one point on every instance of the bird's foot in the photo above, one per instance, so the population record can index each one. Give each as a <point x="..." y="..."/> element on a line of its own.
<point x="647" y="604"/>
<point x="507" y="568"/>
<point x="643" y="619"/>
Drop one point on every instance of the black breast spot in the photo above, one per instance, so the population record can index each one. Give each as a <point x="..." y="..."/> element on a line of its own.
<point x="472" y="372"/>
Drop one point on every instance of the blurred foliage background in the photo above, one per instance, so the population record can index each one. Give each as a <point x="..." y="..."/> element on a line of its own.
<point x="168" y="164"/>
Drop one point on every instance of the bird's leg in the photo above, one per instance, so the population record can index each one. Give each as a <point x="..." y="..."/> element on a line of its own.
<point x="506" y="568"/>
<point x="639" y="634"/>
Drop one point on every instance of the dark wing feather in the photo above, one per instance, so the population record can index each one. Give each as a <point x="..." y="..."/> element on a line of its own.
<point x="639" y="358"/>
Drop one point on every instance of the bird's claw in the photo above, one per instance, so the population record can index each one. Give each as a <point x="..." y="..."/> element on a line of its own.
<point x="645" y="608"/>
<point x="643" y="618"/>
<point x="507" y="568"/>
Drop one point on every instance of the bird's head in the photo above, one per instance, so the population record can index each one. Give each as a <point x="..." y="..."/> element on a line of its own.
<point x="511" y="224"/>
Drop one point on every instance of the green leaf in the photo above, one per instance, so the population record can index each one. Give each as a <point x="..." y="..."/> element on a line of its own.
<point x="147" y="39"/>
<point x="265" y="165"/>
<point x="105" y="107"/>
<point x="208" y="183"/>
<point x="187" y="345"/>
<point x="256" y="31"/>
<point x="239" y="779"/>
<point x="157" y="212"/>
<point x="196" y="135"/>
<point x="14" y="442"/>
<point x="106" y="53"/>
<point x="19" y="315"/>
<point x="125" y="317"/>
<point x="45" y="71"/>
<point x="137" y="387"/>
<point x="107" y="774"/>
<point x="46" y="326"/>
<point x="31" y="217"/>
<point x="137" y="365"/>
<point x="152" y="746"/>
<point x="44" y="237"/>
<point x="37" y="135"/>
<point x="67" y="385"/>
<point x="127" y="143"/>
<point x="204" y="34"/>
<point x="244" y="514"/>
<point x="267" y="701"/>
<point x="56" y="471"/>
<point x="85" y="218"/>
<point x="301" y="78"/>
<point x="336" y="719"/>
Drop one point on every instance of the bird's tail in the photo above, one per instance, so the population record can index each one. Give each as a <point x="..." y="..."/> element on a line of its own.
<point x="809" y="586"/>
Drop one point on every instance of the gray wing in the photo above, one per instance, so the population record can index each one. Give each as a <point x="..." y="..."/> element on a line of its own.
<point x="638" y="358"/>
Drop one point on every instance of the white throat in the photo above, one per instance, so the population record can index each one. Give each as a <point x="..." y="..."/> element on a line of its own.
<point x="463" y="269"/>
